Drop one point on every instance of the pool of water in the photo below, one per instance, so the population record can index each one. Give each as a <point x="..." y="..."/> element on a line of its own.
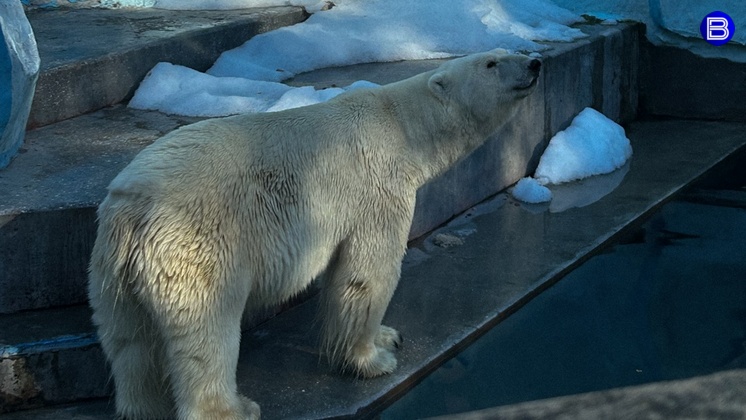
<point x="668" y="302"/>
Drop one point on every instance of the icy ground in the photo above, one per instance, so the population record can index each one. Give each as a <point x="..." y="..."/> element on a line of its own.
<point x="592" y="145"/>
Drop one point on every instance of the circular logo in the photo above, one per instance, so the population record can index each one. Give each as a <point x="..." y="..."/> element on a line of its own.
<point x="717" y="28"/>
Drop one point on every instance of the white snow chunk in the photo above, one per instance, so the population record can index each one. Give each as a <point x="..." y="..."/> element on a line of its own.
<point x="591" y="145"/>
<point x="361" y="84"/>
<point x="180" y="90"/>
<point x="530" y="191"/>
<point x="307" y="95"/>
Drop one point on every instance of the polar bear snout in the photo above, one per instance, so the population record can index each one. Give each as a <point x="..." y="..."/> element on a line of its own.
<point x="531" y="77"/>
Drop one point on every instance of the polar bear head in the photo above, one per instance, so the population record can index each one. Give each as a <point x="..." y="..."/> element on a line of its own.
<point x="487" y="85"/>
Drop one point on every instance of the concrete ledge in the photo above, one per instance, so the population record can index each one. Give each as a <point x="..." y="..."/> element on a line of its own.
<point x="48" y="198"/>
<point x="510" y="253"/>
<point x="93" y="58"/>
<point x="50" y="356"/>
<point x="716" y="396"/>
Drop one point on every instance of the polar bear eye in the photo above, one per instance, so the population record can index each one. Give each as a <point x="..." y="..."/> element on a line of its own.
<point x="491" y="64"/>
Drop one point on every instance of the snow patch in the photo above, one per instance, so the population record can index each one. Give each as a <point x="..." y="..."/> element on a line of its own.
<point x="357" y="32"/>
<point x="352" y="32"/>
<point x="180" y="90"/>
<point x="671" y="22"/>
<point x="592" y="145"/>
<point x="530" y="191"/>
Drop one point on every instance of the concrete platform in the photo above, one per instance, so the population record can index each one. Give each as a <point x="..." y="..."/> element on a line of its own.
<point x="510" y="254"/>
<point x="663" y="303"/>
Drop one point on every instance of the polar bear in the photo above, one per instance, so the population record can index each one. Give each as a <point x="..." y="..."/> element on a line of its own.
<point x="234" y="213"/>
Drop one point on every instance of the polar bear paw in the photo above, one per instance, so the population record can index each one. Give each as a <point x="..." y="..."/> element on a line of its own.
<point x="250" y="409"/>
<point x="246" y="409"/>
<point x="377" y="358"/>
<point x="379" y="362"/>
<point x="388" y="338"/>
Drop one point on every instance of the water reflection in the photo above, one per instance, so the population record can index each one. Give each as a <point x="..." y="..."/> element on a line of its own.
<point x="586" y="191"/>
<point x="580" y="193"/>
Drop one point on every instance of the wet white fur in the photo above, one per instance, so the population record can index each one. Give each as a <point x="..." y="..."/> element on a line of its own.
<point x="246" y="211"/>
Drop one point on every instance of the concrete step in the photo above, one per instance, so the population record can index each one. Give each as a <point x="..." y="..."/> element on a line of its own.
<point x="715" y="396"/>
<point x="50" y="190"/>
<point x="447" y="298"/>
<point x="49" y="193"/>
<point x="92" y="57"/>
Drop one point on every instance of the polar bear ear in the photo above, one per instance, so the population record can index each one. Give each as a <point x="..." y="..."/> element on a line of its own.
<point x="438" y="84"/>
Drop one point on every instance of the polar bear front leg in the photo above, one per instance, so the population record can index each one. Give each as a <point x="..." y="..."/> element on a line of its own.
<point x="360" y="283"/>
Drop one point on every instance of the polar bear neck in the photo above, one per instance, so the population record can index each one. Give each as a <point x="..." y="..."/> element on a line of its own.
<point x="437" y="134"/>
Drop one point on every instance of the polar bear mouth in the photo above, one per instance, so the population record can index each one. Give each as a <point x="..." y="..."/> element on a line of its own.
<point x="531" y="84"/>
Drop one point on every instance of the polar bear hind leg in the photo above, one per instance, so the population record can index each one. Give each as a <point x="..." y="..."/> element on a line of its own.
<point x="202" y="339"/>
<point x="135" y="353"/>
<point x="128" y="337"/>
<point x="168" y="314"/>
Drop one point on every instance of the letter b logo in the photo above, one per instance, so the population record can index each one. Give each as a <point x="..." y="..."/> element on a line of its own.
<point x="717" y="28"/>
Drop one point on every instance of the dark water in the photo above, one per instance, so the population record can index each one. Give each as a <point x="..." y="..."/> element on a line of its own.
<point x="668" y="303"/>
